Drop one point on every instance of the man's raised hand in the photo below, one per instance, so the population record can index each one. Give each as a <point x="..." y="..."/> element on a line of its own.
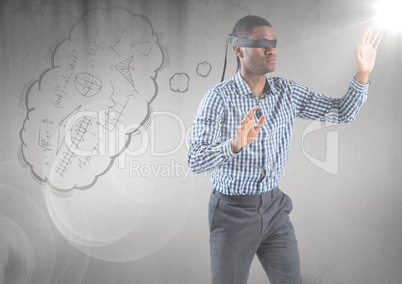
<point x="247" y="132"/>
<point x="366" y="54"/>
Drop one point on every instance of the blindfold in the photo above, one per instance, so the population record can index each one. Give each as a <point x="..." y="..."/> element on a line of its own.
<point x="242" y="42"/>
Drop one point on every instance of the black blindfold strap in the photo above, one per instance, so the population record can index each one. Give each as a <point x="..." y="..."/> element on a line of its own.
<point x="235" y="41"/>
<point x="226" y="56"/>
<point x="242" y="42"/>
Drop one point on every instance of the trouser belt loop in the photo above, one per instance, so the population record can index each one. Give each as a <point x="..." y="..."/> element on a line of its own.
<point x="213" y="191"/>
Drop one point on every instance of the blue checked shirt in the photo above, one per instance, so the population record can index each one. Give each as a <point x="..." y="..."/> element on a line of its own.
<point x="258" y="167"/>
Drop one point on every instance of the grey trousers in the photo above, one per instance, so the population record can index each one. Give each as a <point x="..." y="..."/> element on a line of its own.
<point x="243" y="226"/>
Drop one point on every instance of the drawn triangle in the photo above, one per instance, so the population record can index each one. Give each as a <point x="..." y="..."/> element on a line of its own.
<point x="143" y="47"/>
<point x="124" y="69"/>
<point x="64" y="126"/>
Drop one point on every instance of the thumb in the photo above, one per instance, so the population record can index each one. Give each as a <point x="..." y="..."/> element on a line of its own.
<point x="260" y="123"/>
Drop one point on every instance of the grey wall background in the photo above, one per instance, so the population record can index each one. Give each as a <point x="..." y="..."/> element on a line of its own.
<point x="138" y="216"/>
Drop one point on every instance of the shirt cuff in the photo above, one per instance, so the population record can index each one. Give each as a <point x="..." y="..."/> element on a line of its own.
<point x="359" y="87"/>
<point x="227" y="149"/>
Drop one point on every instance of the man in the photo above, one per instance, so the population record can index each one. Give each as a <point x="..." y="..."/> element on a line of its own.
<point x="242" y="135"/>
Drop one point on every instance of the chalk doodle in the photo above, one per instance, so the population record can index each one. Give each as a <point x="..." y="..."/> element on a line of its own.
<point x="179" y="82"/>
<point x="87" y="84"/>
<point x="103" y="77"/>
<point x="203" y="69"/>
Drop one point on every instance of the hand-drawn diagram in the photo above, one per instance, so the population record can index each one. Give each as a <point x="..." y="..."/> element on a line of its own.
<point x="203" y="69"/>
<point x="102" y="80"/>
<point x="179" y="82"/>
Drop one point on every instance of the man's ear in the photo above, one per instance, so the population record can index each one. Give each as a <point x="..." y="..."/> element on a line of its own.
<point x="238" y="51"/>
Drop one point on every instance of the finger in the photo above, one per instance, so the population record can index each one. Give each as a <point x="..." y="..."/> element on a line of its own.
<point x="261" y="121"/>
<point x="246" y="119"/>
<point x="243" y="126"/>
<point x="260" y="124"/>
<point x="246" y="122"/>
<point x="375" y="38"/>
<point x="365" y="35"/>
<point x="239" y="129"/>
<point x="377" y="42"/>
<point x="252" y="111"/>
<point x="358" y="52"/>
<point x="370" y="34"/>
<point x="249" y="115"/>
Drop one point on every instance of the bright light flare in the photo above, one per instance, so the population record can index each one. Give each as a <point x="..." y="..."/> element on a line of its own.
<point x="389" y="15"/>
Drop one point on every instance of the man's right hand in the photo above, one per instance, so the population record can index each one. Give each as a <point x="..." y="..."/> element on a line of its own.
<point x="247" y="132"/>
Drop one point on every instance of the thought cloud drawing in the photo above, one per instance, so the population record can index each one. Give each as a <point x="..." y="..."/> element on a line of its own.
<point x="203" y="69"/>
<point x="179" y="82"/>
<point x="97" y="93"/>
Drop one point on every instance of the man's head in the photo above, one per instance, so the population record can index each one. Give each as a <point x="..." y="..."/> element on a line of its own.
<point x="255" y="60"/>
<point x="244" y="27"/>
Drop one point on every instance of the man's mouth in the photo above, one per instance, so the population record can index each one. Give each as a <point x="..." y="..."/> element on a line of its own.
<point x="271" y="60"/>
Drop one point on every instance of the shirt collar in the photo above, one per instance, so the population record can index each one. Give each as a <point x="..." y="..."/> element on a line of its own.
<point x="243" y="88"/>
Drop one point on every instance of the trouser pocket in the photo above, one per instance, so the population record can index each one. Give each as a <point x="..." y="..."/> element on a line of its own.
<point x="213" y="204"/>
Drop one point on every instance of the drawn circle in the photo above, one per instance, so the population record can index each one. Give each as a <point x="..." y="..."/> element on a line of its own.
<point x="87" y="84"/>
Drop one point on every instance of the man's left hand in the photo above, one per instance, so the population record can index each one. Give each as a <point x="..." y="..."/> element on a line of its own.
<point x="366" y="54"/>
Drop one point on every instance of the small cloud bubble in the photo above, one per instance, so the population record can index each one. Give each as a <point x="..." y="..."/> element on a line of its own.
<point x="203" y="69"/>
<point x="179" y="82"/>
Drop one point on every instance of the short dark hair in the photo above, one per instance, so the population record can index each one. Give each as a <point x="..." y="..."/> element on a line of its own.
<point x="245" y="25"/>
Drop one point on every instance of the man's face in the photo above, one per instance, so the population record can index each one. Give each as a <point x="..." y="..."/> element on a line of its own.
<point x="258" y="60"/>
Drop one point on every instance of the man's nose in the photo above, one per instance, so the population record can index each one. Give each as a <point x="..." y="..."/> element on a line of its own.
<point x="270" y="50"/>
